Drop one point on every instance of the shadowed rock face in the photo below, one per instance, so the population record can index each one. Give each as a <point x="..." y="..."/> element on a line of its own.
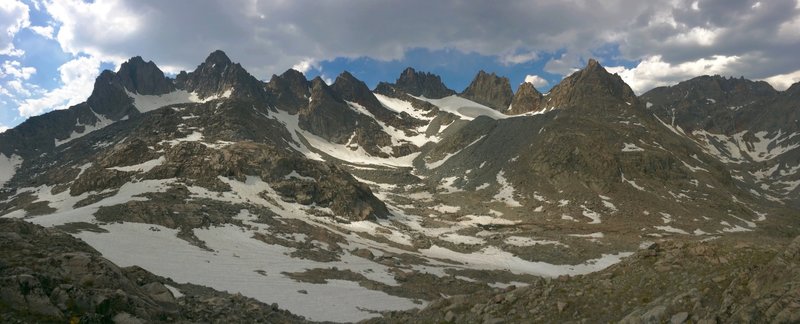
<point x="591" y="86"/>
<point x="351" y="89"/>
<point x="711" y="103"/>
<point x="527" y="99"/>
<point x="327" y="115"/>
<point x="490" y="90"/>
<point x="290" y="91"/>
<point x="217" y="75"/>
<point x="144" y="78"/>
<point x="422" y="84"/>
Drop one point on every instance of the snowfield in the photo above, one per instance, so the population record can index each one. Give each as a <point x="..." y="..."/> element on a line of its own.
<point x="242" y="264"/>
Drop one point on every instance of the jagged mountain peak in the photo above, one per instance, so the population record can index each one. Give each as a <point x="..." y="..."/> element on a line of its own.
<point x="292" y="74"/>
<point x="218" y="57"/>
<point x="729" y="87"/>
<point x="320" y="88"/>
<point x="423" y="84"/>
<point x="526" y="99"/>
<point x="587" y="86"/>
<point x="490" y="90"/>
<point x="290" y="91"/>
<point x="354" y="90"/>
<point x="142" y="77"/>
<point x="717" y="88"/>
<point x="346" y="82"/>
<point x="219" y="76"/>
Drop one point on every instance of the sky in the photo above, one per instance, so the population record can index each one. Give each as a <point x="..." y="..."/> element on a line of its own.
<point x="52" y="51"/>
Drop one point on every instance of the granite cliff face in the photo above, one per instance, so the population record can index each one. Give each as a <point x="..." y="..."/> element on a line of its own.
<point x="218" y="76"/>
<point x="290" y="91"/>
<point x="422" y="84"/>
<point x="490" y="90"/>
<point x="591" y="84"/>
<point x="526" y="100"/>
<point x="142" y="77"/>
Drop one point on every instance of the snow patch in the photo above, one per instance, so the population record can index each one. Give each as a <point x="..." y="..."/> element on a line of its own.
<point x="506" y="193"/>
<point x="145" y="103"/>
<point x="101" y="123"/>
<point x="464" y="108"/>
<point x="670" y="229"/>
<point x="141" y="167"/>
<point x="629" y="147"/>
<point x="8" y="167"/>
<point x="594" y="216"/>
<point x="529" y="241"/>
<point x="493" y="258"/>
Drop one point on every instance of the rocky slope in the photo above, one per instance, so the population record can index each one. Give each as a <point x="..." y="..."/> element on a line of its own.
<point x="747" y="125"/>
<point x="49" y="276"/>
<point x="743" y="281"/>
<point x="601" y="163"/>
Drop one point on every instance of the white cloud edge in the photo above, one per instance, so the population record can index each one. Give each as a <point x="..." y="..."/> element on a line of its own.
<point x="536" y="81"/>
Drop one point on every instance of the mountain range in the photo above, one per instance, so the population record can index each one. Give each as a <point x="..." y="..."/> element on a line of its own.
<point x="295" y="192"/>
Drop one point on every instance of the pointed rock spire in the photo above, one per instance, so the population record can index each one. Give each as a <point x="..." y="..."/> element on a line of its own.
<point x="490" y="90"/>
<point x="290" y="90"/>
<point x="354" y="90"/>
<point x="218" y="57"/>
<point x="422" y="84"/>
<point x="144" y="78"/>
<point x="589" y="85"/>
<point x="527" y="99"/>
<point x="218" y="76"/>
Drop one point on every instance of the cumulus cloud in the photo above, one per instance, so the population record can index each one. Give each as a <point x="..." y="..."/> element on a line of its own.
<point x="44" y="31"/>
<point x="306" y="65"/>
<point x="784" y="81"/>
<point x="13" y="17"/>
<point x="18" y="88"/>
<point x="654" y="71"/>
<point x="77" y="81"/>
<point x="518" y="58"/>
<point x="5" y="92"/>
<point x="3" y="128"/>
<point x="16" y="70"/>
<point x="536" y="81"/>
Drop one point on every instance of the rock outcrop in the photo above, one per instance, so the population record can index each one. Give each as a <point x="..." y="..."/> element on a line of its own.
<point x="290" y="91"/>
<point x="327" y="115"/>
<point x="144" y="78"/>
<point x="590" y="87"/>
<point x="219" y="76"/>
<point x="527" y="99"/>
<point x="354" y="90"/>
<point x="422" y="84"/>
<point x="490" y="90"/>
<point x="47" y="275"/>
<point x="668" y="282"/>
